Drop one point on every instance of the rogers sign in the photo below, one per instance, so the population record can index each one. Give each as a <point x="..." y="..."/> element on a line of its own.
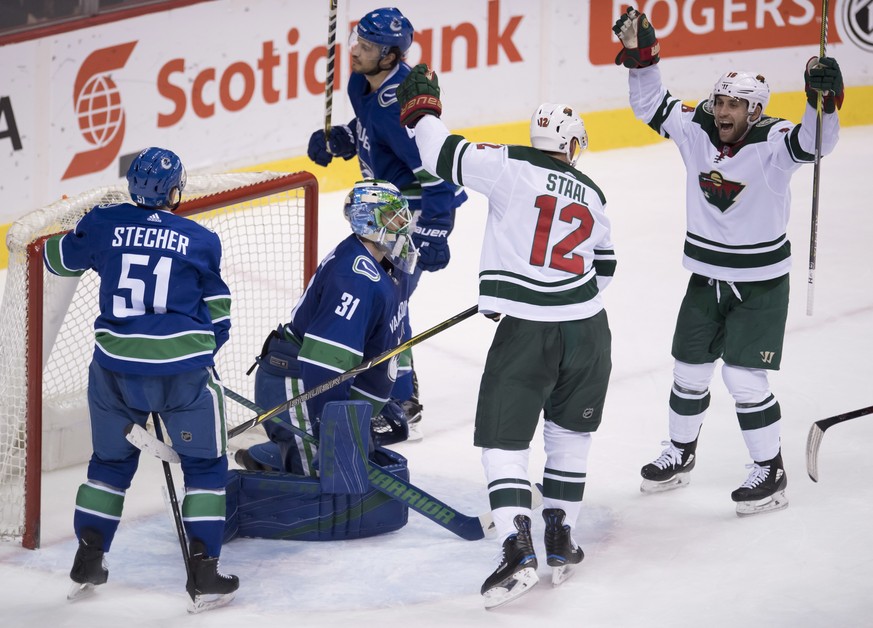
<point x="696" y="27"/>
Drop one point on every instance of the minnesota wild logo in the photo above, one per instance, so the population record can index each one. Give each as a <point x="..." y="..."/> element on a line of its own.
<point x="719" y="191"/>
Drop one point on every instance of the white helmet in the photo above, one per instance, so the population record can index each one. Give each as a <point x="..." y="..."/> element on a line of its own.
<point x="553" y="126"/>
<point x="750" y="87"/>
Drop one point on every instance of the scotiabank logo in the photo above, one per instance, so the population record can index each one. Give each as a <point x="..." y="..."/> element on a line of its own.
<point x="99" y="113"/>
<point x="697" y="27"/>
<point x="284" y="71"/>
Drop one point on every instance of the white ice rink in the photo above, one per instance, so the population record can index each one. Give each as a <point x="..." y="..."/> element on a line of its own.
<point x="678" y="559"/>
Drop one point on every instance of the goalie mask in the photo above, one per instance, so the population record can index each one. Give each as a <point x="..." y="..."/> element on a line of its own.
<point x="378" y="212"/>
<point x="745" y="86"/>
<point x="156" y="178"/>
<point x="387" y="28"/>
<point x="553" y="128"/>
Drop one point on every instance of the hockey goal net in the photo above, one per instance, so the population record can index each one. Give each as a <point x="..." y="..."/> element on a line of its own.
<point x="268" y="227"/>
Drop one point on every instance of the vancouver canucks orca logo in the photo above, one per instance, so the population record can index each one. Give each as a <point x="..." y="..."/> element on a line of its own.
<point x="719" y="191"/>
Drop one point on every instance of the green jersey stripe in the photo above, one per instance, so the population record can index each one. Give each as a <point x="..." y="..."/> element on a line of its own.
<point x="328" y="355"/>
<point x="55" y="259"/>
<point x="219" y="307"/>
<point x="155" y="349"/>
<point x="729" y="259"/>
<point x="515" y="292"/>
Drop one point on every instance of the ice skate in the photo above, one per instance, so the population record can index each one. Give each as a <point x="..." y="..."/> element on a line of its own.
<point x="562" y="553"/>
<point x="207" y="587"/>
<point x="671" y="469"/>
<point x="517" y="572"/>
<point x="764" y="489"/>
<point x="89" y="566"/>
<point x="412" y="408"/>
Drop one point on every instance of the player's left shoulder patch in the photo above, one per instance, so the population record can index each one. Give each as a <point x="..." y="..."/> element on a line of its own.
<point x="388" y="95"/>
<point x="365" y="266"/>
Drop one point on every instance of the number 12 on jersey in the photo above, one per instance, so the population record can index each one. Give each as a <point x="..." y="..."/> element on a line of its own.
<point x="559" y="259"/>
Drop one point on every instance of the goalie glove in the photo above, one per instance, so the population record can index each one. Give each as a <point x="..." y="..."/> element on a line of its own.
<point x="637" y="35"/>
<point x="823" y="75"/>
<point x="342" y="144"/>
<point x="419" y="95"/>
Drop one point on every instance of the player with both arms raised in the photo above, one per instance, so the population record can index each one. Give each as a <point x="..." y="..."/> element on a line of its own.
<point x="546" y="257"/>
<point x="739" y="164"/>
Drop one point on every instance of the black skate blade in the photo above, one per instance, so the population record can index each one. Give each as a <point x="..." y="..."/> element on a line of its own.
<point x="680" y="480"/>
<point x="207" y="602"/>
<point x="777" y="501"/>
<point x="512" y="588"/>
<point x="81" y="591"/>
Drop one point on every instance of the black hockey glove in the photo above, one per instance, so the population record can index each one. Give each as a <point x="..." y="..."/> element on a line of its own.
<point x="823" y="75"/>
<point x="419" y="95"/>
<point x="342" y="144"/>
<point x="641" y="48"/>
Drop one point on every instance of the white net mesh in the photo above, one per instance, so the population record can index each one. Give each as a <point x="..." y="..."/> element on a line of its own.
<point x="264" y="246"/>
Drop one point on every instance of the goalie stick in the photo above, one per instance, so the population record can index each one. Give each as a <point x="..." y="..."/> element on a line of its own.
<point x="816" y="433"/>
<point x="352" y="372"/>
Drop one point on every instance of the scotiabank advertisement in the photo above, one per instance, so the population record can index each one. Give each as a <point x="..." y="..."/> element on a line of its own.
<point x="232" y="83"/>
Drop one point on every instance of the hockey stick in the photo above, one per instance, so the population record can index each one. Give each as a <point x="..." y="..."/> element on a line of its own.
<point x="816" y="172"/>
<point x="174" y="501"/>
<point x="816" y="433"/>
<point x="331" y="59"/>
<point x="392" y="485"/>
<point x="352" y="372"/>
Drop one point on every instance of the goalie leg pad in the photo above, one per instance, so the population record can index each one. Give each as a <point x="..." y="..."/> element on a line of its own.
<point x="342" y="455"/>
<point x="270" y="505"/>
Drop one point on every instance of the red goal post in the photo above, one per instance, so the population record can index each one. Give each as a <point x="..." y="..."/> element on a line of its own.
<point x="268" y="225"/>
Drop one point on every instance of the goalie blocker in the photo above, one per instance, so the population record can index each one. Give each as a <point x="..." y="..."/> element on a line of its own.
<point x="339" y="504"/>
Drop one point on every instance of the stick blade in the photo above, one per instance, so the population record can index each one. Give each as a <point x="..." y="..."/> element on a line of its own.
<point x="813" y="443"/>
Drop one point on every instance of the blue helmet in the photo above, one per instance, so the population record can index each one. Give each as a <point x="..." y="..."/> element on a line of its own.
<point x="156" y="178"/>
<point x="387" y="27"/>
<point x="378" y="212"/>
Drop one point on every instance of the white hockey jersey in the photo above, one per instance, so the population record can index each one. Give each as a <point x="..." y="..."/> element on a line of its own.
<point x="547" y="251"/>
<point x="738" y="198"/>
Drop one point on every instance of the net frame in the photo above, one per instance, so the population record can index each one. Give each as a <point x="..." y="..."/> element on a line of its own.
<point x="208" y="199"/>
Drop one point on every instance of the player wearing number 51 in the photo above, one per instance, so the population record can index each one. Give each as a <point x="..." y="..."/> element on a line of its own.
<point x="739" y="162"/>
<point x="546" y="258"/>
<point x="164" y="313"/>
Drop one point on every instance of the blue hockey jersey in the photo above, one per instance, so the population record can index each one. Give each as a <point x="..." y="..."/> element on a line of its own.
<point x="164" y="307"/>
<point x="352" y="310"/>
<point x="386" y="150"/>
